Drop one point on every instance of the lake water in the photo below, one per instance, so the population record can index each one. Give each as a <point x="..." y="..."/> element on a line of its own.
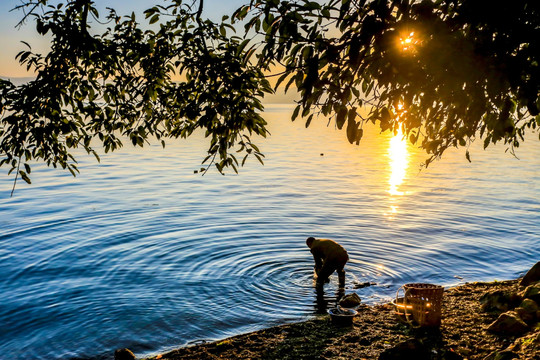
<point x="141" y="252"/>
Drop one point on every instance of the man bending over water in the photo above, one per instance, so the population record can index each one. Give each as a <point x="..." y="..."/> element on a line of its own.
<point x="329" y="257"/>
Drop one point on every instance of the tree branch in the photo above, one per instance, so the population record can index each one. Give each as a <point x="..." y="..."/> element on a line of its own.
<point x="26" y="14"/>
<point x="199" y="12"/>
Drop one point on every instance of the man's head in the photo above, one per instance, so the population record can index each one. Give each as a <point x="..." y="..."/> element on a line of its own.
<point x="310" y="241"/>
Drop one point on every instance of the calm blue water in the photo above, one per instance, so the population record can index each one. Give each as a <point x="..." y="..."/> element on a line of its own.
<point x="140" y="252"/>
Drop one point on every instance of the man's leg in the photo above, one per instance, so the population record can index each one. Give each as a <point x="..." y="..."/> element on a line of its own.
<point x="341" y="275"/>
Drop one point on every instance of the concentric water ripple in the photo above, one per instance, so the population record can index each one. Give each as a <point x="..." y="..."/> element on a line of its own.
<point x="140" y="252"/>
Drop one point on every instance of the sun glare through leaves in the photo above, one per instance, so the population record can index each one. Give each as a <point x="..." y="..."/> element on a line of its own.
<point x="408" y="41"/>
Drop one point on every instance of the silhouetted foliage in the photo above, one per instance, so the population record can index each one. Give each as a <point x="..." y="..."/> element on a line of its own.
<point x="446" y="72"/>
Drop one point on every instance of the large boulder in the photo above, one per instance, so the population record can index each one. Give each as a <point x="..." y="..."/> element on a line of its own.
<point x="499" y="300"/>
<point x="509" y="324"/>
<point x="124" y="354"/>
<point x="527" y="311"/>
<point x="532" y="276"/>
<point x="408" y="349"/>
<point x="532" y="292"/>
<point x="525" y="316"/>
<point x="350" y="300"/>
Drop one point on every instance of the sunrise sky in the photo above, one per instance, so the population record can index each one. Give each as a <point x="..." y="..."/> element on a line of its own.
<point x="10" y="37"/>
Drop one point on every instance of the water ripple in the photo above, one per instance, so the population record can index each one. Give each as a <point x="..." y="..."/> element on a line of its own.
<point x="120" y="257"/>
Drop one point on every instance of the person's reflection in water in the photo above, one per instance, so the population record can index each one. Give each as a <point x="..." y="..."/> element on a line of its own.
<point x="322" y="303"/>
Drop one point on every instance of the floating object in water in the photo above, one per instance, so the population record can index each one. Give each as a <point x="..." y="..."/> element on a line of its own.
<point x="363" y="285"/>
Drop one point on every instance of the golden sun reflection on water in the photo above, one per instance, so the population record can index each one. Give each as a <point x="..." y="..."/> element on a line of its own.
<point x="399" y="162"/>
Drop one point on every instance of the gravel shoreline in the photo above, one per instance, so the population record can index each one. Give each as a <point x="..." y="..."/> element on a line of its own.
<point x="377" y="334"/>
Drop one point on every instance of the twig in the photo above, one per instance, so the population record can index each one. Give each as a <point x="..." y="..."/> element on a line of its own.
<point x="16" y="176"/>
<point x="199" y="12"/>
<point x="26" y="15"/>
<point x="211" y="162"/>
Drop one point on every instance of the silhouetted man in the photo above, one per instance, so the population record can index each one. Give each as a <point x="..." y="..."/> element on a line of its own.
<point x="329" y="257"/>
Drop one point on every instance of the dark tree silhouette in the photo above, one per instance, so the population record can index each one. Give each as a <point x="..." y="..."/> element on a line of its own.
<point x="445" y="72"/>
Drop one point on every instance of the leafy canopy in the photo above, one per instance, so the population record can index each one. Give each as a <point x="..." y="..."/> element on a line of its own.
<point x="445" y="72"/>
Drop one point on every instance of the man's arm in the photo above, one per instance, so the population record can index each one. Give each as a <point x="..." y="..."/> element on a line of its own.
<point x="318" y="263"/>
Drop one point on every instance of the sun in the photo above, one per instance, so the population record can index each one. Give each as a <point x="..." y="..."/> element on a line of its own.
<point x="408" y="41"/>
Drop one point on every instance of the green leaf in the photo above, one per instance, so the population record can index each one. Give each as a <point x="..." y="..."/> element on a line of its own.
<point x="25" y="177"/>
<point x="312" y="5"/>
<point x="242" y="46"/>
<point x="308" y="121"/>
<point x="352" y="114"/>
<point x="352" y="127"/>
<point x="340" y="117"/>
<point x="259" y="158"/>
<point x="154" y="19"/>
<point x="359" y="135"/>
<point x="295" y="112"/>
